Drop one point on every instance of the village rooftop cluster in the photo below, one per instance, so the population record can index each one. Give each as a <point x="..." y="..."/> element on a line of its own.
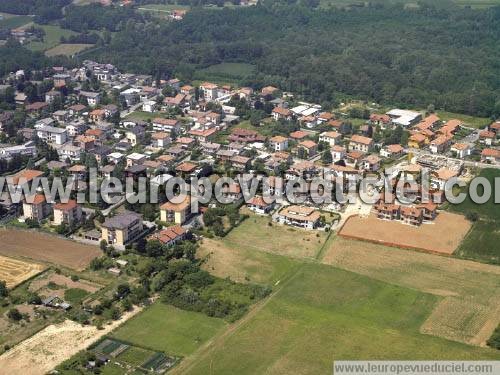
<point x="131" y="127"/>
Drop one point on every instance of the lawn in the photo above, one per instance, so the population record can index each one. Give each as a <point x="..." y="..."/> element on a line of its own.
<point x="471" y="121"/>
<point x="256" y="234"/>
<point x="12" y="21"/>
<point x="67" y="49"/>
<point x="51" y="39"/>
<point x="141" y="116"/>
<point x="168" y="329"/>
<point x="75" y="295"/>
<point x="323" y="314"/>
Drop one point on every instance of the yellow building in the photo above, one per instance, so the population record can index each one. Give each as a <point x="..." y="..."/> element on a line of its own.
<point x="176" y="213"/>
<point x="121" y="229"/>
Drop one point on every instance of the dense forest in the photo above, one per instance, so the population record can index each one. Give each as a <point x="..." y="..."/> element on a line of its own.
<point x="44" y="10"/>
<point x="416" y="57"/>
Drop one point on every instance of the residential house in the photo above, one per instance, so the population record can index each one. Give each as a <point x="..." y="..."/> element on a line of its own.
<point x="92" y="98"/>
<point x="278" y="143"/>
<point x="411" y="215"/>
<point x="370" y="163"/>
<point x="170" y="235"/>
<point x="69" y="213"/>
<point x="122" y="229"/>
<point x="97" y="115"/>
<point x="36" y="208"/>
<point x="332" y="138"/>
<point x="178" y="213"/>
<point x="299" y="216"/>
<point x="310" y="147"/>
<point x="166" y="125"/>
<point x="487" y="137"/>
<point x="258" y="205"/>
<point x="392" y="151"/>
<point x="135" y="135"/>
<point x="461" y="150"/>
<point x="160" y="139"/>
<point x="441" y="176"/>
<point x="440" y="144"/>
<point x="360" y="143"/>
<point x="210" y="91"/>
<point x="136" y="159"/>
<point x="280" y="113"/>
<point x="490" y="155"/>
<point x="52" y="135"/>
<point x="52" y="96"/>
<point x="417" y="140"/>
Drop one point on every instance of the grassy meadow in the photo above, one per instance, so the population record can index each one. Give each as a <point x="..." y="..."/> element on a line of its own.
<point x="482" y="241"/>
<point x="323" y="314"/>
<point x="168" y="329"/>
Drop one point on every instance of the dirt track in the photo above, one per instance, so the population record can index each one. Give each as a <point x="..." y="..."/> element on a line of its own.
<point x="44" y="247"/>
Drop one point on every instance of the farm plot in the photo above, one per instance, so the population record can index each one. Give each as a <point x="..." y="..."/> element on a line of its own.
<point x="470" y="309"/>
<point x="442" y="236"/>
<point x="255" y="233"/>
<point x="14" y="271"/>
<point x="46" y="349"/>
<point x="42" y="247"/>
<point x="323" y="314"/>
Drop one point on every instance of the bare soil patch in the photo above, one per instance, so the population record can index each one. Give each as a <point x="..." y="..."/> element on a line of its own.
<point x="45" y="350"/>
<point x="442" y="236"/>
<point x="47" y="248"/>
<point x="15" y="271"/>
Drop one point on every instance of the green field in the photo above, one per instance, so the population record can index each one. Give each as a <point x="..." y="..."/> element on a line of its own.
<point x="225" y="73"/>
<point x="323" y="314"/>
<point x="12" y="21"/>
<point x="255" y="233"/>
<point x="167" y="329"/>
<point x="141" y="116"/>
<point x="67" y="49"/>
<point x="482" y="241"/>
<point x="471" y="121"/>
<point x="51" y="39"/>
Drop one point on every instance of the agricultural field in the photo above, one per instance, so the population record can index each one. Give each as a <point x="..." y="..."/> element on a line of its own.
<point x="51" y="39"/>
<point x="47" y="248"/>
<point x="14" y="271"/>
<point x="323" y="313"/>
<point x="481" y="243"/>
<point x="67" y="49"/>
<point x="470" y="308"/>
<point x="49" y="347"/>
<point x="243" y="264"/>
<point x="167" y="329"/>
<point x="12" y="21"/>
<point x="255" y="233"/>
<point x="442" y="236"/>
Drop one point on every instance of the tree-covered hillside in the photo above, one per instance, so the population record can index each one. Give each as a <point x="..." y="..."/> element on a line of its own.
<point x="447" y="57"/>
